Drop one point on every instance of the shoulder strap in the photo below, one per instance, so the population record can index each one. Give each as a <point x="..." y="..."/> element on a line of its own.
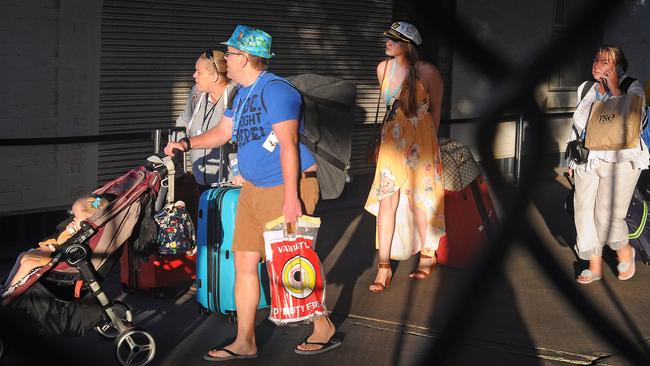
<point x="231" y="97"/>
<point x="301" y="137"/>
<point x="270" y="81"/>
<point x="576" y="131"/>
<point x="381" y="85"/>
<point x="586" y="88"/>
<point x="625" y="83"/>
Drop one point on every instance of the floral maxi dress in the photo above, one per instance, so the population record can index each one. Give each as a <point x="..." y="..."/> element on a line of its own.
<point x="409" y="162"/>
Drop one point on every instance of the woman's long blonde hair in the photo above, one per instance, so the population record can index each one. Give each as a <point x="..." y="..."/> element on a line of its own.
<point x="408" y="96"/>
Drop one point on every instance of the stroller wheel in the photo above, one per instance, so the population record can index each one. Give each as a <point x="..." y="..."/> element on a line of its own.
<point x="107" y="329"/>
<point x="135" y="348"/>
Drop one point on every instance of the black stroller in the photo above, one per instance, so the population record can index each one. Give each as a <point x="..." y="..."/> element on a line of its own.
<point x="65" y="297"/>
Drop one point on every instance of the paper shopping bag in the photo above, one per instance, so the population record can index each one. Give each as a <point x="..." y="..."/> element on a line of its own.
<point x="614" y="124"/>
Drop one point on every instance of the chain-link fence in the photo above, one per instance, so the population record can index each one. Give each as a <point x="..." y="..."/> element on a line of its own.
<point x="513" y="91"/>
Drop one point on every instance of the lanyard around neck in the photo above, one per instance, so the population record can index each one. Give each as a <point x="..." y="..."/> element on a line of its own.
<point x="239" y="109"/>
<point x="196" y="110"/>
<point x="207" y="114"/>
<point x="601" y="97"/>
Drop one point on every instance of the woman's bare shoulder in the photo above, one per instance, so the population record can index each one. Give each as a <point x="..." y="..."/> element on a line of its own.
<point x="381" y="65"/>
<point x="427" y="69"/>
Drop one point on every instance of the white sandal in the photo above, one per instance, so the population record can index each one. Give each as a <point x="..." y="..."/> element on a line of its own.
<point x="587" y="276"/>
<point x="625" y="266"/>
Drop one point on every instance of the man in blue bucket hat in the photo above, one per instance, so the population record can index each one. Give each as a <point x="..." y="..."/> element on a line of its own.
<point x="264" y="121"/>
<point x="254" y="41"/>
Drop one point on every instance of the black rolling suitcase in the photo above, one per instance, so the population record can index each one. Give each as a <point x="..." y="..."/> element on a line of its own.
<point x="638" y="226"/>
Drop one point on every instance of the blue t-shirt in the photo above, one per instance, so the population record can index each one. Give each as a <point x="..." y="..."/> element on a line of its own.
<point x="257" y="107"/>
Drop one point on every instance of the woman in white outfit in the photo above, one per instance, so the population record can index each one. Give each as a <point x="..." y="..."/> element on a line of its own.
<point x="605" y="182"/>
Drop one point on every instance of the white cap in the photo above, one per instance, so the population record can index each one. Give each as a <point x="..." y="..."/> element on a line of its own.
<point x="404" y="31"/>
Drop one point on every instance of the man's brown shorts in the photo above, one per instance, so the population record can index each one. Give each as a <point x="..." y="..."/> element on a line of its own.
<point x="259" y="205"/>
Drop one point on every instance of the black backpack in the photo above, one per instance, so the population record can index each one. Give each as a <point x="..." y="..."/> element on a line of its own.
<point x="327" y="112"/>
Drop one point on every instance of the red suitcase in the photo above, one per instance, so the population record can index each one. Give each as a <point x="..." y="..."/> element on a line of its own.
<point x="159" y="275"/>
<point x="469" y="217"/>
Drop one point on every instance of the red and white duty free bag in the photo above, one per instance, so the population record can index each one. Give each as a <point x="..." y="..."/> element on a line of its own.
<point x="295" y="275"/>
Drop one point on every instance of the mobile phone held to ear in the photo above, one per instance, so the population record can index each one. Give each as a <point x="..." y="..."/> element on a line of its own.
<point x="603" y="82"/>
<point x="619" y="71"/>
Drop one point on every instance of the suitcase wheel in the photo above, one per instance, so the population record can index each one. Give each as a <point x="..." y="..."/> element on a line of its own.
<point x="126" y="289"/>
<point x="203" y="311"/>
<point x="158" y="293"/>
<point x="232" y="317"/>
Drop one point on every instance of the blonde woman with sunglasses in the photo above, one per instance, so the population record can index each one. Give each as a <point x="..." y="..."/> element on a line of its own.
<point x="204" y="109"/>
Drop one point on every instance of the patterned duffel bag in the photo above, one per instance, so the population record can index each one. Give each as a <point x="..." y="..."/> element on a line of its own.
<point x="458" y="165"/>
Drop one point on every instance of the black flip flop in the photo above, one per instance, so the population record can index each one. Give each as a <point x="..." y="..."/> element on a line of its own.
<point x="233" y="355"/>
<point x="331" y="344"/>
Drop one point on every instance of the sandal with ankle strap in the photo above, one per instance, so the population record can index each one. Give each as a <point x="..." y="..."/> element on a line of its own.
<point x="381" y="286"/>
<point x="419" y="274"/>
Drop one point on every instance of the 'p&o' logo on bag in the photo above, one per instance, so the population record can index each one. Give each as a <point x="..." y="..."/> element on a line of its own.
<point x="605" y="118"/>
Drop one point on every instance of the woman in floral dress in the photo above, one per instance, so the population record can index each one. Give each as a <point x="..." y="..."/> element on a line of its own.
<point x="407" y="193"/>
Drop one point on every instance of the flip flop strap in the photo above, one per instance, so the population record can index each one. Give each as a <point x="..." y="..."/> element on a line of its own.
<point x="227" y="351"/>
<point x="316" y="343"/>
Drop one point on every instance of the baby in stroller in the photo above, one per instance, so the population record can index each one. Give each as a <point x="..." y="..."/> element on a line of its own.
<point x="62" y="293"/>
<point x="27" y="262"/>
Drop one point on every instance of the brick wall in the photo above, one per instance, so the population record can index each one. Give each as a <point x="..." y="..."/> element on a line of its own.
<point x="50" y="57"/>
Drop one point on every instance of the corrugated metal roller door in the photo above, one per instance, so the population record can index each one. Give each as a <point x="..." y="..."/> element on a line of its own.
<point x="149" y="49"/>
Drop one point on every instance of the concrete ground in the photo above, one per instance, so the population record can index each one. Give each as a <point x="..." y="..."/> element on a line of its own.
<point x="522" y="319"/>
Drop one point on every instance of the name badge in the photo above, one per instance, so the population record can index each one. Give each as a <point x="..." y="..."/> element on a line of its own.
<point x="271" y="142"/>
